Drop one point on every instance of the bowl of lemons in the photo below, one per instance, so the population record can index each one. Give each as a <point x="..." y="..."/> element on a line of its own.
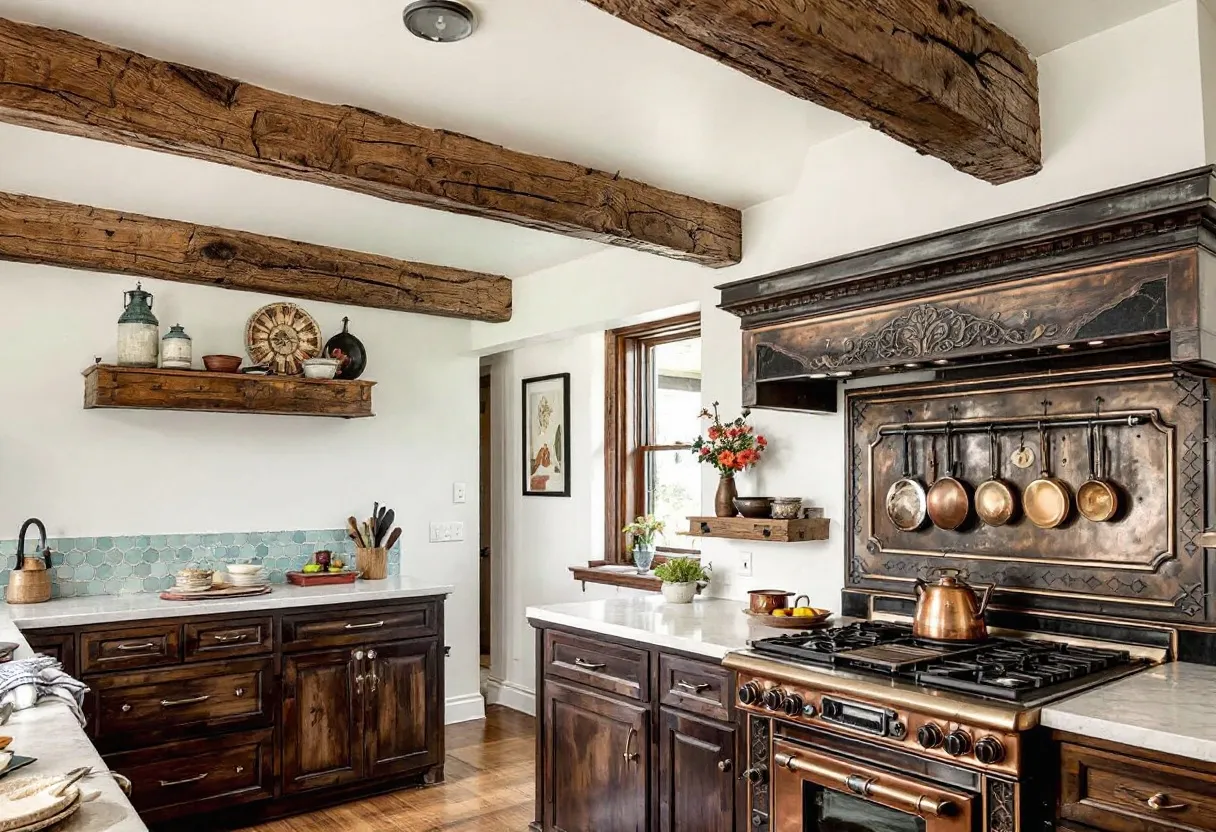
<point x="801" y="616"/>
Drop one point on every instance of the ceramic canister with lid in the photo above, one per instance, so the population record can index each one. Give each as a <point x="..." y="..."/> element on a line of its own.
<point x="176" y="349"/>
<point x="138" y="330"/>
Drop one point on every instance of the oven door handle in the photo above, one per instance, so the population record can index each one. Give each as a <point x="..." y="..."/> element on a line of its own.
<point x="864" y="786"/>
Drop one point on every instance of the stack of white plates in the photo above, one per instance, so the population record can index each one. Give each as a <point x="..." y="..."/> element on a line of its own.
<point x="246" y="575"/>
<point x="194" y="580"/>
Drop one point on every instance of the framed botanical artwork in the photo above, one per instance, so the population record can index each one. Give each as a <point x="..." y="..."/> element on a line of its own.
<point x="547" y="436"/>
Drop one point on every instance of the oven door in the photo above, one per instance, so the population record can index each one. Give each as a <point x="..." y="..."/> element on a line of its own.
<point x="814" y="792"/>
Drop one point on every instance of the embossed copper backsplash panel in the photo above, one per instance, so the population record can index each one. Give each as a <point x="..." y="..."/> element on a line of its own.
<point x="1144" y="565"/>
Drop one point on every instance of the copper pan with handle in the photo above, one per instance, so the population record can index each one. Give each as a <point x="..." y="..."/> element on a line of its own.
<point x="1047" y="501"/>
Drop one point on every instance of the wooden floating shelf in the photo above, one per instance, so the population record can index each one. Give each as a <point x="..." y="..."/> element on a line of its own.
<point x="747" y="528"/>
<point x="138" y="388"/>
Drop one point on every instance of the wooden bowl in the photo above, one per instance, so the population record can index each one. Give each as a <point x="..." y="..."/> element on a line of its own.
<point x="222" y="363"/>
<point x="790" y="622"/>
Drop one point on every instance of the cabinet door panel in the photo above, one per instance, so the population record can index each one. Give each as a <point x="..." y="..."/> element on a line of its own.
<point x="597" y="765"/>
<point x="322" y="719"/>
<point x="402" y="717"/>
<point x="696" y="774"/>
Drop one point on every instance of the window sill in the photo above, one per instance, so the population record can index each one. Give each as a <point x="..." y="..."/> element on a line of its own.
<point x="597" y="573"/>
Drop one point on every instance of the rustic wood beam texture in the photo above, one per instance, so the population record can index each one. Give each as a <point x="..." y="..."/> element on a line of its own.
<point x="60" y="81"/>
<point x="932" y="73"/>
<point x="35" y="230"/>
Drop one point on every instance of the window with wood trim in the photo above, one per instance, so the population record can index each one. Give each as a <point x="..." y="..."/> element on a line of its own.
<point x="652" y="398"/>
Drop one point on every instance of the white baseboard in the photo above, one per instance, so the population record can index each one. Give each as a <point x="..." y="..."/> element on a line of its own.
<point x="510" y="695"/>
<point x="464" y="708"/>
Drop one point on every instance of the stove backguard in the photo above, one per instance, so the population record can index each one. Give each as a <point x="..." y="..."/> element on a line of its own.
<point x="1145" y="566"/>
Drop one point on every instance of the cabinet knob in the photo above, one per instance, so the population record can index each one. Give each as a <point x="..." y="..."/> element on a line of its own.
<point x="371" y="654"/>
<point x="239" y="692"/>
<point x="126" y="708"/>
<point x="724" y="765"/>
<point x="358" y="655"/>
<point x="240" y="769"/>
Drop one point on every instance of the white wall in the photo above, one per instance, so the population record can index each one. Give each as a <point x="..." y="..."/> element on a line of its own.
<point x="118" y="472"/>
<point x="1119" y="107"/>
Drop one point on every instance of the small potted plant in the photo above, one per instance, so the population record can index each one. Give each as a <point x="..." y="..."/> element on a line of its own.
<point x="643" y="530"/>
<point x="730" y="447"/>
<point x="680" y="577"/>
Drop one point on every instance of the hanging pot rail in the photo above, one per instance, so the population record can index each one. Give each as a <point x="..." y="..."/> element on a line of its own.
<point x="938" y="428"/>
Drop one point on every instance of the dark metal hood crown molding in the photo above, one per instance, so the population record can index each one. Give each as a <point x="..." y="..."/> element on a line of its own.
<point x="1119" y="270"/>
<point x="1161" y="214"/>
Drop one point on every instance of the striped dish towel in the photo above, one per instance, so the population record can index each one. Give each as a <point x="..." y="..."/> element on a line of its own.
<point x="27" y="681"/>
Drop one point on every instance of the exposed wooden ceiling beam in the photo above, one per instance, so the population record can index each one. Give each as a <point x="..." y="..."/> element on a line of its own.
<point x="60" y="81"/>
<point x="932" y="73"/>
<point x="35" y="230"/>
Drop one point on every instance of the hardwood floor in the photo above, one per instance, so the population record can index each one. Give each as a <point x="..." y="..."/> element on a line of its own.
<point x="488" y="787"/>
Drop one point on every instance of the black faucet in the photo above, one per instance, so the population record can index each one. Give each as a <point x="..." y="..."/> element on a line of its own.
<point x="33" y="521"/>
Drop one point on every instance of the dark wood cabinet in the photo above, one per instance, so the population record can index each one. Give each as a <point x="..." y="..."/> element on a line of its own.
<point x="633" y="739"/>
<point x="597" y="762"/>
<point x="697" y="777"/>
<point x="322" y="719"/>
<point x="224" y="720"/>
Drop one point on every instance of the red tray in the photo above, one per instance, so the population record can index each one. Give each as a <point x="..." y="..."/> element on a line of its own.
<point x="321" y="578"/>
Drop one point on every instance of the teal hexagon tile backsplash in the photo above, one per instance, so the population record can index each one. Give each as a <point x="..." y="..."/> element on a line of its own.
<point x="147" y="563"/>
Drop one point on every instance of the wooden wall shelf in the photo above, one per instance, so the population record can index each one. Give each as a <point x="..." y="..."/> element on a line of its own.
<point x="107" y="386"/>
<point x="746" y="528"/>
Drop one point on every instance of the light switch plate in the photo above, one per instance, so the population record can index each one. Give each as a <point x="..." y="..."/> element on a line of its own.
<point x="745" y="564"/>
<point x="458" y="492"/>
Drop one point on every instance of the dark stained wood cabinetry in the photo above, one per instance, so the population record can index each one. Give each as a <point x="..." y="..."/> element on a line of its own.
<point x="633" y="739"/>
<point x="238" y="718"/>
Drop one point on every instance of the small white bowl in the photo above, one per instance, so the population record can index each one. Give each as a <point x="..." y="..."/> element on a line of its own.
<point x="321" y="367"/>
<point x="243" y="568"/>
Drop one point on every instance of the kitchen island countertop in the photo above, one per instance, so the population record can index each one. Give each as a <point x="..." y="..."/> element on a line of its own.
<point x="104" y="609"/>
<point x="1166" y="708"/>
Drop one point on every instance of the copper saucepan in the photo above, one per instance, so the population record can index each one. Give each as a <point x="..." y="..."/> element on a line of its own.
<point x="1097" y="498"/>
<point x="949" y="499"/>
<point x="995" y="500"/>
<point x="906" y="504"/>
<point x="1047" y="500"/>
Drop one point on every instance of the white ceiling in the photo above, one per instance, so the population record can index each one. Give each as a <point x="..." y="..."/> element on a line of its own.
<point x="553" y="77"/>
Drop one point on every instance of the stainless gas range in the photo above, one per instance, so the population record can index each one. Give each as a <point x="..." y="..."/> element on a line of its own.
<point x="866" y="728"/>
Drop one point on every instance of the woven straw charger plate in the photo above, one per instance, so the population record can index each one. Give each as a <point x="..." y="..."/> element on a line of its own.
<point x="30" y="803"/>
<point x="283" y="336"/>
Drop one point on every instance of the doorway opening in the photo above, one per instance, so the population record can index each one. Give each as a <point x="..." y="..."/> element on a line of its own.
<point x="484" y="550"/>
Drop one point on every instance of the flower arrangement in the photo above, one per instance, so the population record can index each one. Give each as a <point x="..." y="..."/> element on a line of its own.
<point x="729" y="446"/>
<point x="644" y="529"/>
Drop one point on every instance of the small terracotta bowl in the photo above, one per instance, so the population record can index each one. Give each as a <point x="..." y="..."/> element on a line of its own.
<point x="222" y="363"/>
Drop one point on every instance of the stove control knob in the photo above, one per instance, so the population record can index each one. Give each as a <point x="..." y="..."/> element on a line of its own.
<point x="750" y="693"/>
<point x="989" y="751"/>
<point x="756" y="776"/>
<point x="898" y="730"/>
<point x="773" y="697"/>
<point x="957" y="743"/>
<point x="792" y="706"/>
<point x="929" y="735"/>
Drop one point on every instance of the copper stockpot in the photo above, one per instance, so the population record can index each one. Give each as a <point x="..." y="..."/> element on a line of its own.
<point x="948" y="610"/>
<point x="767" y="600"/>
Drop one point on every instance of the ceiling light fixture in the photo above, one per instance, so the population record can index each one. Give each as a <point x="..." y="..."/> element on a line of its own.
<point x="439" y="21"/>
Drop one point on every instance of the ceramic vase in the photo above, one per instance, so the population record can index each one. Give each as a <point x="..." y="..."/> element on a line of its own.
<point x="643" y="557"/>
<point x="724" y="500"/>
<point x="138" y="331"/>
<point x="176" y="351"/>
<point x="679" y="593"/>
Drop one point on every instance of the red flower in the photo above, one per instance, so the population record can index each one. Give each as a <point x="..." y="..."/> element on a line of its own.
<point x="747" y="457"/>
<point x="761" y="441"/>
<point x="732" y="433"/>
<point x="704" y="450"/>
<point x="726" y="459"/>
<point x="714" y="432"/>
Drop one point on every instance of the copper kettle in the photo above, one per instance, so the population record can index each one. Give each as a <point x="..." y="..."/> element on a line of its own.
<point x="30" y="581"/>
<point x="948" y="609"/>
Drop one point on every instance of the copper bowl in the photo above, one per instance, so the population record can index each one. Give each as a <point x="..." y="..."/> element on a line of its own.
<point x="764" y="601"/>
<point x="222" y="363"/>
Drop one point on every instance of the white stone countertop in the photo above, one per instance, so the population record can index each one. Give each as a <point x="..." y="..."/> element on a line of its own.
<point x="710" y="627"/>
<point x="104" y="609"/>
<point x="50" y="733"/>
<point x="1167" y="708"/>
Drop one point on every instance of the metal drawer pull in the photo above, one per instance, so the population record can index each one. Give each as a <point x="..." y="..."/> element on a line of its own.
<point x="194" y="700"/>
<point x="920" y="804"/>
<point x="630" y="756"/>
<point x="224" y="638"/>
<point x="1160" y="803"/>
<point x="147" y="645"/>
<point x="371" y="626"/>
<point x="188" y="780"/>
<point x="581" y="662"/>
<point x="690" y="687"/>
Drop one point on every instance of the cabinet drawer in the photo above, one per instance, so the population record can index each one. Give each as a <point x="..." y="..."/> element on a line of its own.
<point x="220" y="639"/>
<point x="615" y="668"/>
<point x="1122" y="793"/>
<point x="57" y="645"/>
<point x="698" y="687"/>
<point x="342" y="627"/>
<point x="186" y="778"/>
<point x="130" y="647"/>
<point x="169" y="704"/>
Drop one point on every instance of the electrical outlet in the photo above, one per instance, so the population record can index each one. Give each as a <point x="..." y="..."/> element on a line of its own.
<point x="458" y="492"/>
<point x="745" y="564"/>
